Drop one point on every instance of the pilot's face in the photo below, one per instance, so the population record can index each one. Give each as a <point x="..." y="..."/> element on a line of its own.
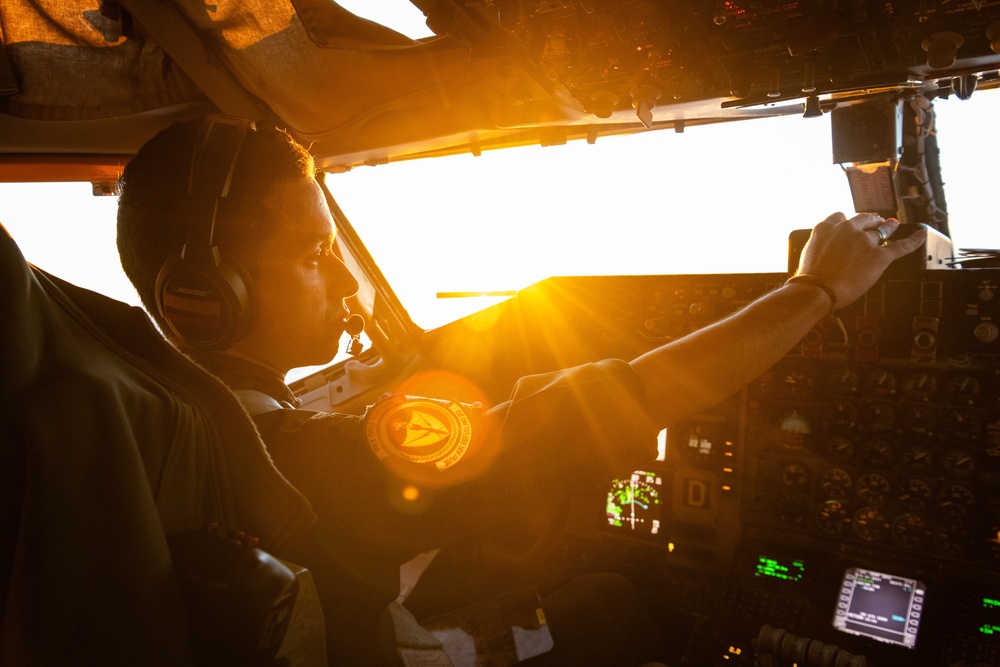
<point x="299" y="285"/>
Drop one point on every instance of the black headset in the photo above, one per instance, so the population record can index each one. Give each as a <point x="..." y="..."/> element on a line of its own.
<point x="204" y="299"/>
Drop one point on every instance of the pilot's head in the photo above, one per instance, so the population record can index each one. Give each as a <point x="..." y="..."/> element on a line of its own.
<point x="272" y="290"/>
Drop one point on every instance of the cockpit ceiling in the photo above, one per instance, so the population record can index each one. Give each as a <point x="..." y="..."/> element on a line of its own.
<point x="98" y="77"/>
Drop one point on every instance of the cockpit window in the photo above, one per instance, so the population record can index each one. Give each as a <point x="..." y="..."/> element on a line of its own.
<point x="400" y="15"/>
<point x="455" y="234"/>
<point x="66" y="230"/>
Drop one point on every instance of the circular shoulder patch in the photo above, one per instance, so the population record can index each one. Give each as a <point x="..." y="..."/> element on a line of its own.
<point x="419" y="431"/>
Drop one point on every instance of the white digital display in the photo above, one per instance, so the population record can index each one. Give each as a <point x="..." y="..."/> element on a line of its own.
<point x="881" y="606"/>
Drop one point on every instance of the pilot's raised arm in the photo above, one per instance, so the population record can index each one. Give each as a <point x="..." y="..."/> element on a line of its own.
<point x="842" y="260"/>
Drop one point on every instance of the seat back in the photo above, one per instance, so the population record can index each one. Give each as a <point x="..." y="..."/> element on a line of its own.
<point x="111" y="443"/>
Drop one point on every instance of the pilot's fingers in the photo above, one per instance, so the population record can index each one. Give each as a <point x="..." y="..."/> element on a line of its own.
<point x="867" y="221"/>
<point x="896" y="249"/>
<point x="832" y="219"/>
<point x="881" y="229"/>
<point x="836" y="237"/>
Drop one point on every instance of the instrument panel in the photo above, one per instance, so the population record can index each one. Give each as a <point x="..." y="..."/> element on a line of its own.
<point x="846" y="501"/>
<point x="639" y="56"/>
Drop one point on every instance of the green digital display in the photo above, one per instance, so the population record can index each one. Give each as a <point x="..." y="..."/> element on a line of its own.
<point x="990" y="627"/>
<point x="787" y="569"/>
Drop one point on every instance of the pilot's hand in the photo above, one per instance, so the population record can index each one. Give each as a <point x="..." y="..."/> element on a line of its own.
<point x="851" y="254"/>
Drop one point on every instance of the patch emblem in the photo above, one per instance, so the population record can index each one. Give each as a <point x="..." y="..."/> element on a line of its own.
<point x="419" y="430"/>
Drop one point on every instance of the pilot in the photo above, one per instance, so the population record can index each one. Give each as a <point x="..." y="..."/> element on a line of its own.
<point x="415" y="473"/>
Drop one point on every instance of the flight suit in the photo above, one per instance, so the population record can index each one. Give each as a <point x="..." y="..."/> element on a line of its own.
<point x="415" y="473"/>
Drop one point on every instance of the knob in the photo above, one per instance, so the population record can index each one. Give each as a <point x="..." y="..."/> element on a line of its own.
<point x="993" y="34"/>
<point x="986" y="332"/>
<point x="604" y="103"/>
<point x="867" y="338"/>
<point x="701" y="308"/>
<point x="774" y="79"/>
<point x="809" y="76"/>
<point x="942" y="49"/>
<point x="924" y="340"/>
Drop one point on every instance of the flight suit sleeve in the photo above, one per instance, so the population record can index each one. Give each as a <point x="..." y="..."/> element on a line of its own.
<point x="418" y="473"/>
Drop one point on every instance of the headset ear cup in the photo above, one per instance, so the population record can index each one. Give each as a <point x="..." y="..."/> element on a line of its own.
<point x="204" y="301"/>
<point x="206" y="307"/>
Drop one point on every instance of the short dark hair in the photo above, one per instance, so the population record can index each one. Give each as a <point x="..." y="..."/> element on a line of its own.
<point x="154" y="204"/>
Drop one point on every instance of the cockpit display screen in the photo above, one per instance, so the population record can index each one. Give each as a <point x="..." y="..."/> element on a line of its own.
<point x="779" y="568"/>
<point x="881" y="606"/>
<point x="635" y="503"/>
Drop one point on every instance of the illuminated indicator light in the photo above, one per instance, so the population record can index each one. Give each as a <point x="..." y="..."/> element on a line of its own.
<point x="727" y="470"/>
<point x="726" y="487"/>
<point x="411" y="493"/>
<point x="727" y="454"/>
<point x="670" y="547"/>
<point x="990" y="629"/>
<point x="991" y="603"/>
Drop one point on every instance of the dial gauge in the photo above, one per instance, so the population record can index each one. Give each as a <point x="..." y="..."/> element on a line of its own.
<point x="873" y="488"/>
<point x="832" y="517"/>
<point x="914" y="494"/>
<point x="951" y="537"/>
<point x="956" y="500"/>
<point x="836" y="483"/>
<point x="797" y="384"/>
<point x="870" y="524"/>
<point x="878" y="414"/>
<point x="959" y="462"/>
<point x="917" y="457"/>
<point x="880" y="383"/>
<point x="877" y="452"/>
<point x="840" y="447"/>
<point x="794" y="474"/>
<point x="910" y="530"/>
<point x="963" y="388"/>
<point x="793" y="429"/>
<point x="845" y="381"/>
<point x="919" y="419"/>
<point x="920" y="385"/>
<point x="792" y="509"/>
<point x="964" y="423"/>
<point x="844" y="414"/>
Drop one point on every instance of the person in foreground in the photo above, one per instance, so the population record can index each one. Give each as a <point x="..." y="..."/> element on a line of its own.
<point x="497" y="463"/>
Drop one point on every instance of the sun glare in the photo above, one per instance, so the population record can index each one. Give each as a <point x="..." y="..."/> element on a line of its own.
<point x="717" y="199"/>
<point x="710" y="200"/>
